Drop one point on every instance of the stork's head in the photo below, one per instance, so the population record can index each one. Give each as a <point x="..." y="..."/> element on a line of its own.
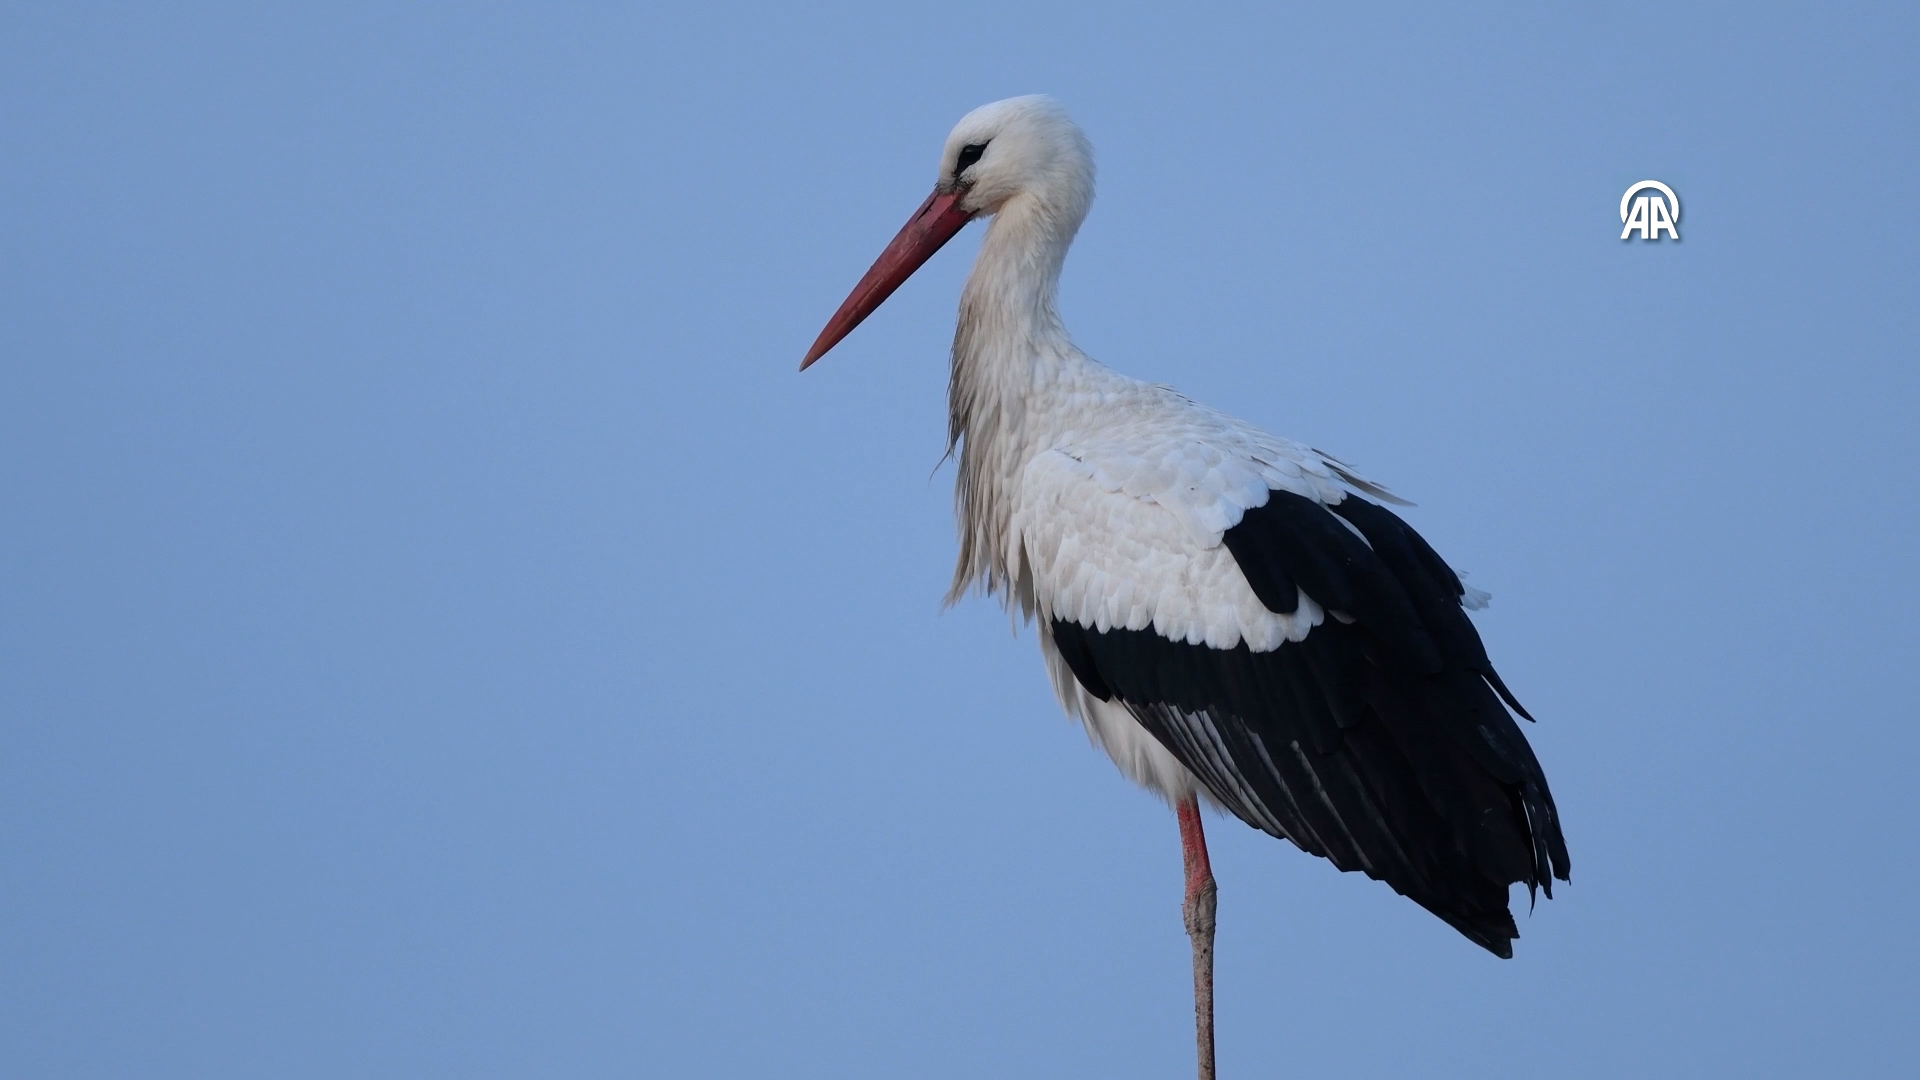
<point x="1021" y="151"/>
<point x="1020" y="146"/>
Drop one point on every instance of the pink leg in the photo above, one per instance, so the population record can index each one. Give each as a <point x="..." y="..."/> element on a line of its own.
<point x="1198" y="910"/>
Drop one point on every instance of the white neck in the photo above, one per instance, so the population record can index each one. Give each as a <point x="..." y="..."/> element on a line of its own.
<point x="1010" y="353"/>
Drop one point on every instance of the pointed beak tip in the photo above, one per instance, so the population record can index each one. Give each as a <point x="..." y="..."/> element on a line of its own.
<point x="930" y="227"/>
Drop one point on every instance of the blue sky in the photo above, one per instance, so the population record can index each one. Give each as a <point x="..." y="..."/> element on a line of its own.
<point x="441" y="635"/>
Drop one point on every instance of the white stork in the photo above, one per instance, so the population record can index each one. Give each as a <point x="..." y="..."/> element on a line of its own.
<point x="1221" y="609"/>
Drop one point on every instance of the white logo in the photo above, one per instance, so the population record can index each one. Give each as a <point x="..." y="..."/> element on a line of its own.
<point x="1650" y="214"/>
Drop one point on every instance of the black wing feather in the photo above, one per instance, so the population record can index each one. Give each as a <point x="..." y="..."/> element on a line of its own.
<point x="1379" y="742"/>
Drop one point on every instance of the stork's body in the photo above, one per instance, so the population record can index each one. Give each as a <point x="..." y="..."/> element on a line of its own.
<point x="1224" y="610"/>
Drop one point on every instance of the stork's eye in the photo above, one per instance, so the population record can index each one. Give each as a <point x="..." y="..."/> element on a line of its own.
<point x="969" y="154"/>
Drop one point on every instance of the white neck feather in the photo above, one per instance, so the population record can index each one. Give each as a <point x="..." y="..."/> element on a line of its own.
<point x="1010" y="355"/>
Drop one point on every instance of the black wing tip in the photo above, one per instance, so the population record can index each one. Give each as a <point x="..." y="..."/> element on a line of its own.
<point x="1500" y="687"/>
<point x="1492" y="931"/>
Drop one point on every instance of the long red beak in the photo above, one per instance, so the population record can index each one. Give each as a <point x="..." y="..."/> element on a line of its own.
<point x="930" y="227"/>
